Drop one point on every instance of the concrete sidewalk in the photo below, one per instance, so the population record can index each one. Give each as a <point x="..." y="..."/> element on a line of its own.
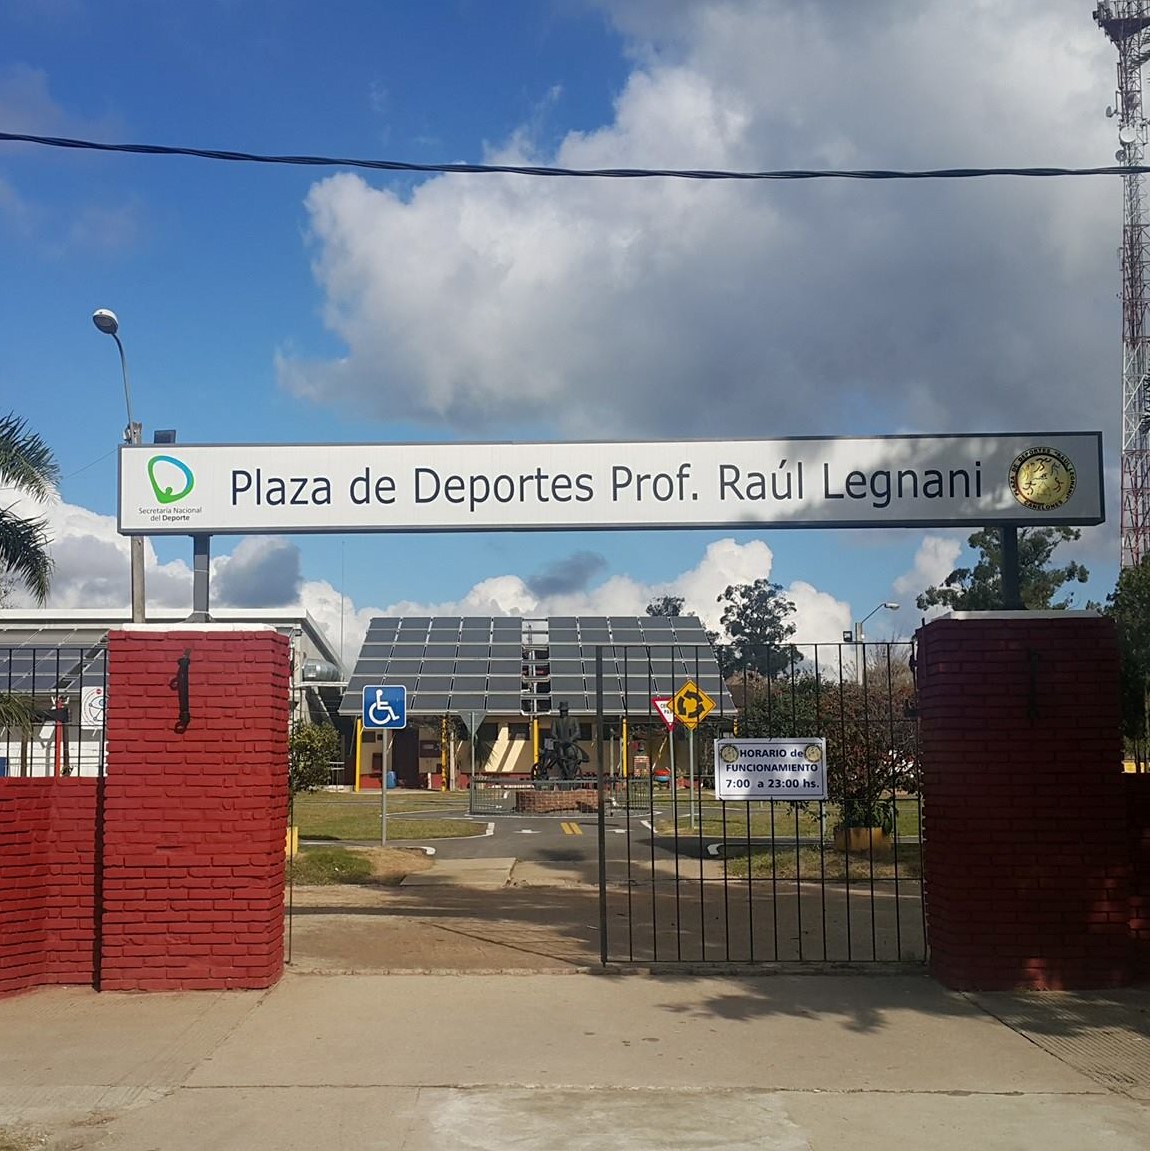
<point x="574" y="1061"/>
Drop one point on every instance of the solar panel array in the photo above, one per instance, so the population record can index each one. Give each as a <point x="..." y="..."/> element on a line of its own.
<point x="471" y="665"/>
<point x="38" y="662"/>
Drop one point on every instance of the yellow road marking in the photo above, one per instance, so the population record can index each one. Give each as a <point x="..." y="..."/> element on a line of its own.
<point x="571" y="829"/>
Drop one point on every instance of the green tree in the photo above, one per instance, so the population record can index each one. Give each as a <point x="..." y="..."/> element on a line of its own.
<point x="311" y="749"/>
<point x="756" y="618"/>
<point x="979" y="588"/>
<point x="1129" y="606"/>
<point x="666" y="605"/>
<point x="26" y="464"/>
<point x="17" y="713"/>
<point x="872" y="739"/>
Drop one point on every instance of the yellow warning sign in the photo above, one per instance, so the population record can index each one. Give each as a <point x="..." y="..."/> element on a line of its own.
<point x="692" y="705"/>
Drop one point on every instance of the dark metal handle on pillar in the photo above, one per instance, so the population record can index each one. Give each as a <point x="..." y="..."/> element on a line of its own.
<point x="179" y="684"/>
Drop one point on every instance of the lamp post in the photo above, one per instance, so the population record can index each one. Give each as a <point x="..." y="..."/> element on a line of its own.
<point x="107" y="323"/>
<point x="860" y="649"/>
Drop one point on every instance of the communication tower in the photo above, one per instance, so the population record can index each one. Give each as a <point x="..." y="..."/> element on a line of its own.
<point x="1127" y="26"/>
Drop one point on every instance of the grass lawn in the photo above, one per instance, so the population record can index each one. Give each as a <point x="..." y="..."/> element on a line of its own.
<point x="380" y="866"/>
<point x="777" y="818"/>
<point x="815" y="864"/>
<point x="346" y="816"/>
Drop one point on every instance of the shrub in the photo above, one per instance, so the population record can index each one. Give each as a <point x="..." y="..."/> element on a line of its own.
<point x="311" y="748"/>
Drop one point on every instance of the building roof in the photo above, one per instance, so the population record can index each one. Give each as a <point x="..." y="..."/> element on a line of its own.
<point x="509" y="665"/>
<point x="35" y="663"/>
<point x="83" y="627"/>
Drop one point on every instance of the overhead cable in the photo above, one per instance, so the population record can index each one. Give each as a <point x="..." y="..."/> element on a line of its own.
<point x="577" y="173"/>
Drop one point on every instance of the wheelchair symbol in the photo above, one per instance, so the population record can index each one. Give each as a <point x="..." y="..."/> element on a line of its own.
<point x="381" y="713"/>
<point x="385" y="707"/>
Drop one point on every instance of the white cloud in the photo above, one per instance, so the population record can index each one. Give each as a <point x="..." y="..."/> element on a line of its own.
<point x="669" y="307"/>
<point x="261" y="572"/>
<point x="819" y="617"/>
<point x="93" y="562"/>
<point x="934" y="560"/>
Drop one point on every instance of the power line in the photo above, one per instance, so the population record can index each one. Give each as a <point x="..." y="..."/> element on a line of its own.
<point x="577" y="173"/>
<point x="98" y="460"/>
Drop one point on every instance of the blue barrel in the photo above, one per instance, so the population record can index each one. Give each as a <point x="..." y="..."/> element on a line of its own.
<point x="390" y="780"/>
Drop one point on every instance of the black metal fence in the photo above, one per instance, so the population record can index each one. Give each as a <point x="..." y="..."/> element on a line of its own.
<point x="52" y="710"/>
<point x="686" y="877"/>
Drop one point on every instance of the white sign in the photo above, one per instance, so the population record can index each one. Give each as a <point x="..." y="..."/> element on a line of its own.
<point x="771" y="769"/>
<point x="92" y="707"/>
<point x="663" y="707"/>
<point x="886" y="481"/>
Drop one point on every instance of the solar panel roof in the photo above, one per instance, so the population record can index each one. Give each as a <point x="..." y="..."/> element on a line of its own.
<point x="507" y="665"/>
<point x="36" y="667"/>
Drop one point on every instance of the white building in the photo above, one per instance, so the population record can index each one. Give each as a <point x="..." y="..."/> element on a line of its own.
<point x="58" y="659"/>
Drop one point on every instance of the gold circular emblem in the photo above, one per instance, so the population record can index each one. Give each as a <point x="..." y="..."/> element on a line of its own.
<point x="812" y="753"/>
<point x="1042" y="479"/>
<point x="729" y="753"/>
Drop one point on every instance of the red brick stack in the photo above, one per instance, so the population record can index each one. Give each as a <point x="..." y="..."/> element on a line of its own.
<point x="1027" y="859"/>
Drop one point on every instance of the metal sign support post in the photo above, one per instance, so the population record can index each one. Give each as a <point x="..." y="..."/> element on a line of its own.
<point x="383" y="789"/>
<point x="600" y="740"/>
<point x="201" y="576"/>
<point x="691" y="798"/>
<point x="1011" y="579"/>
<point x="384" y="707"/>
<point x="471" y="733"/>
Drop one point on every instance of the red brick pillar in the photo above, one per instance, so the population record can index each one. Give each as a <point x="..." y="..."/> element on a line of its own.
<point x="195" y="815"/>
<point x="1026" y="852"/>
<point x="1137" y="789"/>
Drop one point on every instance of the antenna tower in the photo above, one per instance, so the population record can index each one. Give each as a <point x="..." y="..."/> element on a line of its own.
<point x="1127" y="26"/>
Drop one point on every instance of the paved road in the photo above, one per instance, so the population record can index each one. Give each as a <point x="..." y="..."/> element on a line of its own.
<point x="573" y="836"/>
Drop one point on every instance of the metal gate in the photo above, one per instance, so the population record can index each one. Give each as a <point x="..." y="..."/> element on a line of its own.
<point x="687" y="878"/>
<point x="52" y="709"/>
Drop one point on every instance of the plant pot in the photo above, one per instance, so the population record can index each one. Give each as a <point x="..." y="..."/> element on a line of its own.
<point x="862" y="840"/>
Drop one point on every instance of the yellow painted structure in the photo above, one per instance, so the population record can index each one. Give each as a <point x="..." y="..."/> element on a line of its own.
<point x="358" y="750"/>
<point x="443" y="754"/>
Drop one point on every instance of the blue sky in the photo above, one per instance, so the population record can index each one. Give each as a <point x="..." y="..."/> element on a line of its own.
<point x="281" y="304"/>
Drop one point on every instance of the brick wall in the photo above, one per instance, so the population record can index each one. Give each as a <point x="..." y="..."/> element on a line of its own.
<point x="195" y="820"/>
<point x="1027" y="858"/>
<point x="1137" y="788"/>
<point x="47" y="881"/>
<point x="540" y="802"/>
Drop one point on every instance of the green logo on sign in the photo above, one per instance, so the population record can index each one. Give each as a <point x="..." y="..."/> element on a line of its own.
<point x="165" y="491"/>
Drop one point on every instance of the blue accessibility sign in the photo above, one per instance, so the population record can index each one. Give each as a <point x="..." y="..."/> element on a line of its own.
<point x="385" y="706"/>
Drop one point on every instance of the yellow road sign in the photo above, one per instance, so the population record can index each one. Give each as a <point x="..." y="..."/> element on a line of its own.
<point x="692" y="705"/>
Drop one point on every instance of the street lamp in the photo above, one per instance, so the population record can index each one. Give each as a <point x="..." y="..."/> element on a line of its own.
<point x="108" y="324"/>
<point x="857" y="637"/>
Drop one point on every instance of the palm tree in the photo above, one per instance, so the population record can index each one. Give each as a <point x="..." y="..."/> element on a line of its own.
<point x="26" y="464"/>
